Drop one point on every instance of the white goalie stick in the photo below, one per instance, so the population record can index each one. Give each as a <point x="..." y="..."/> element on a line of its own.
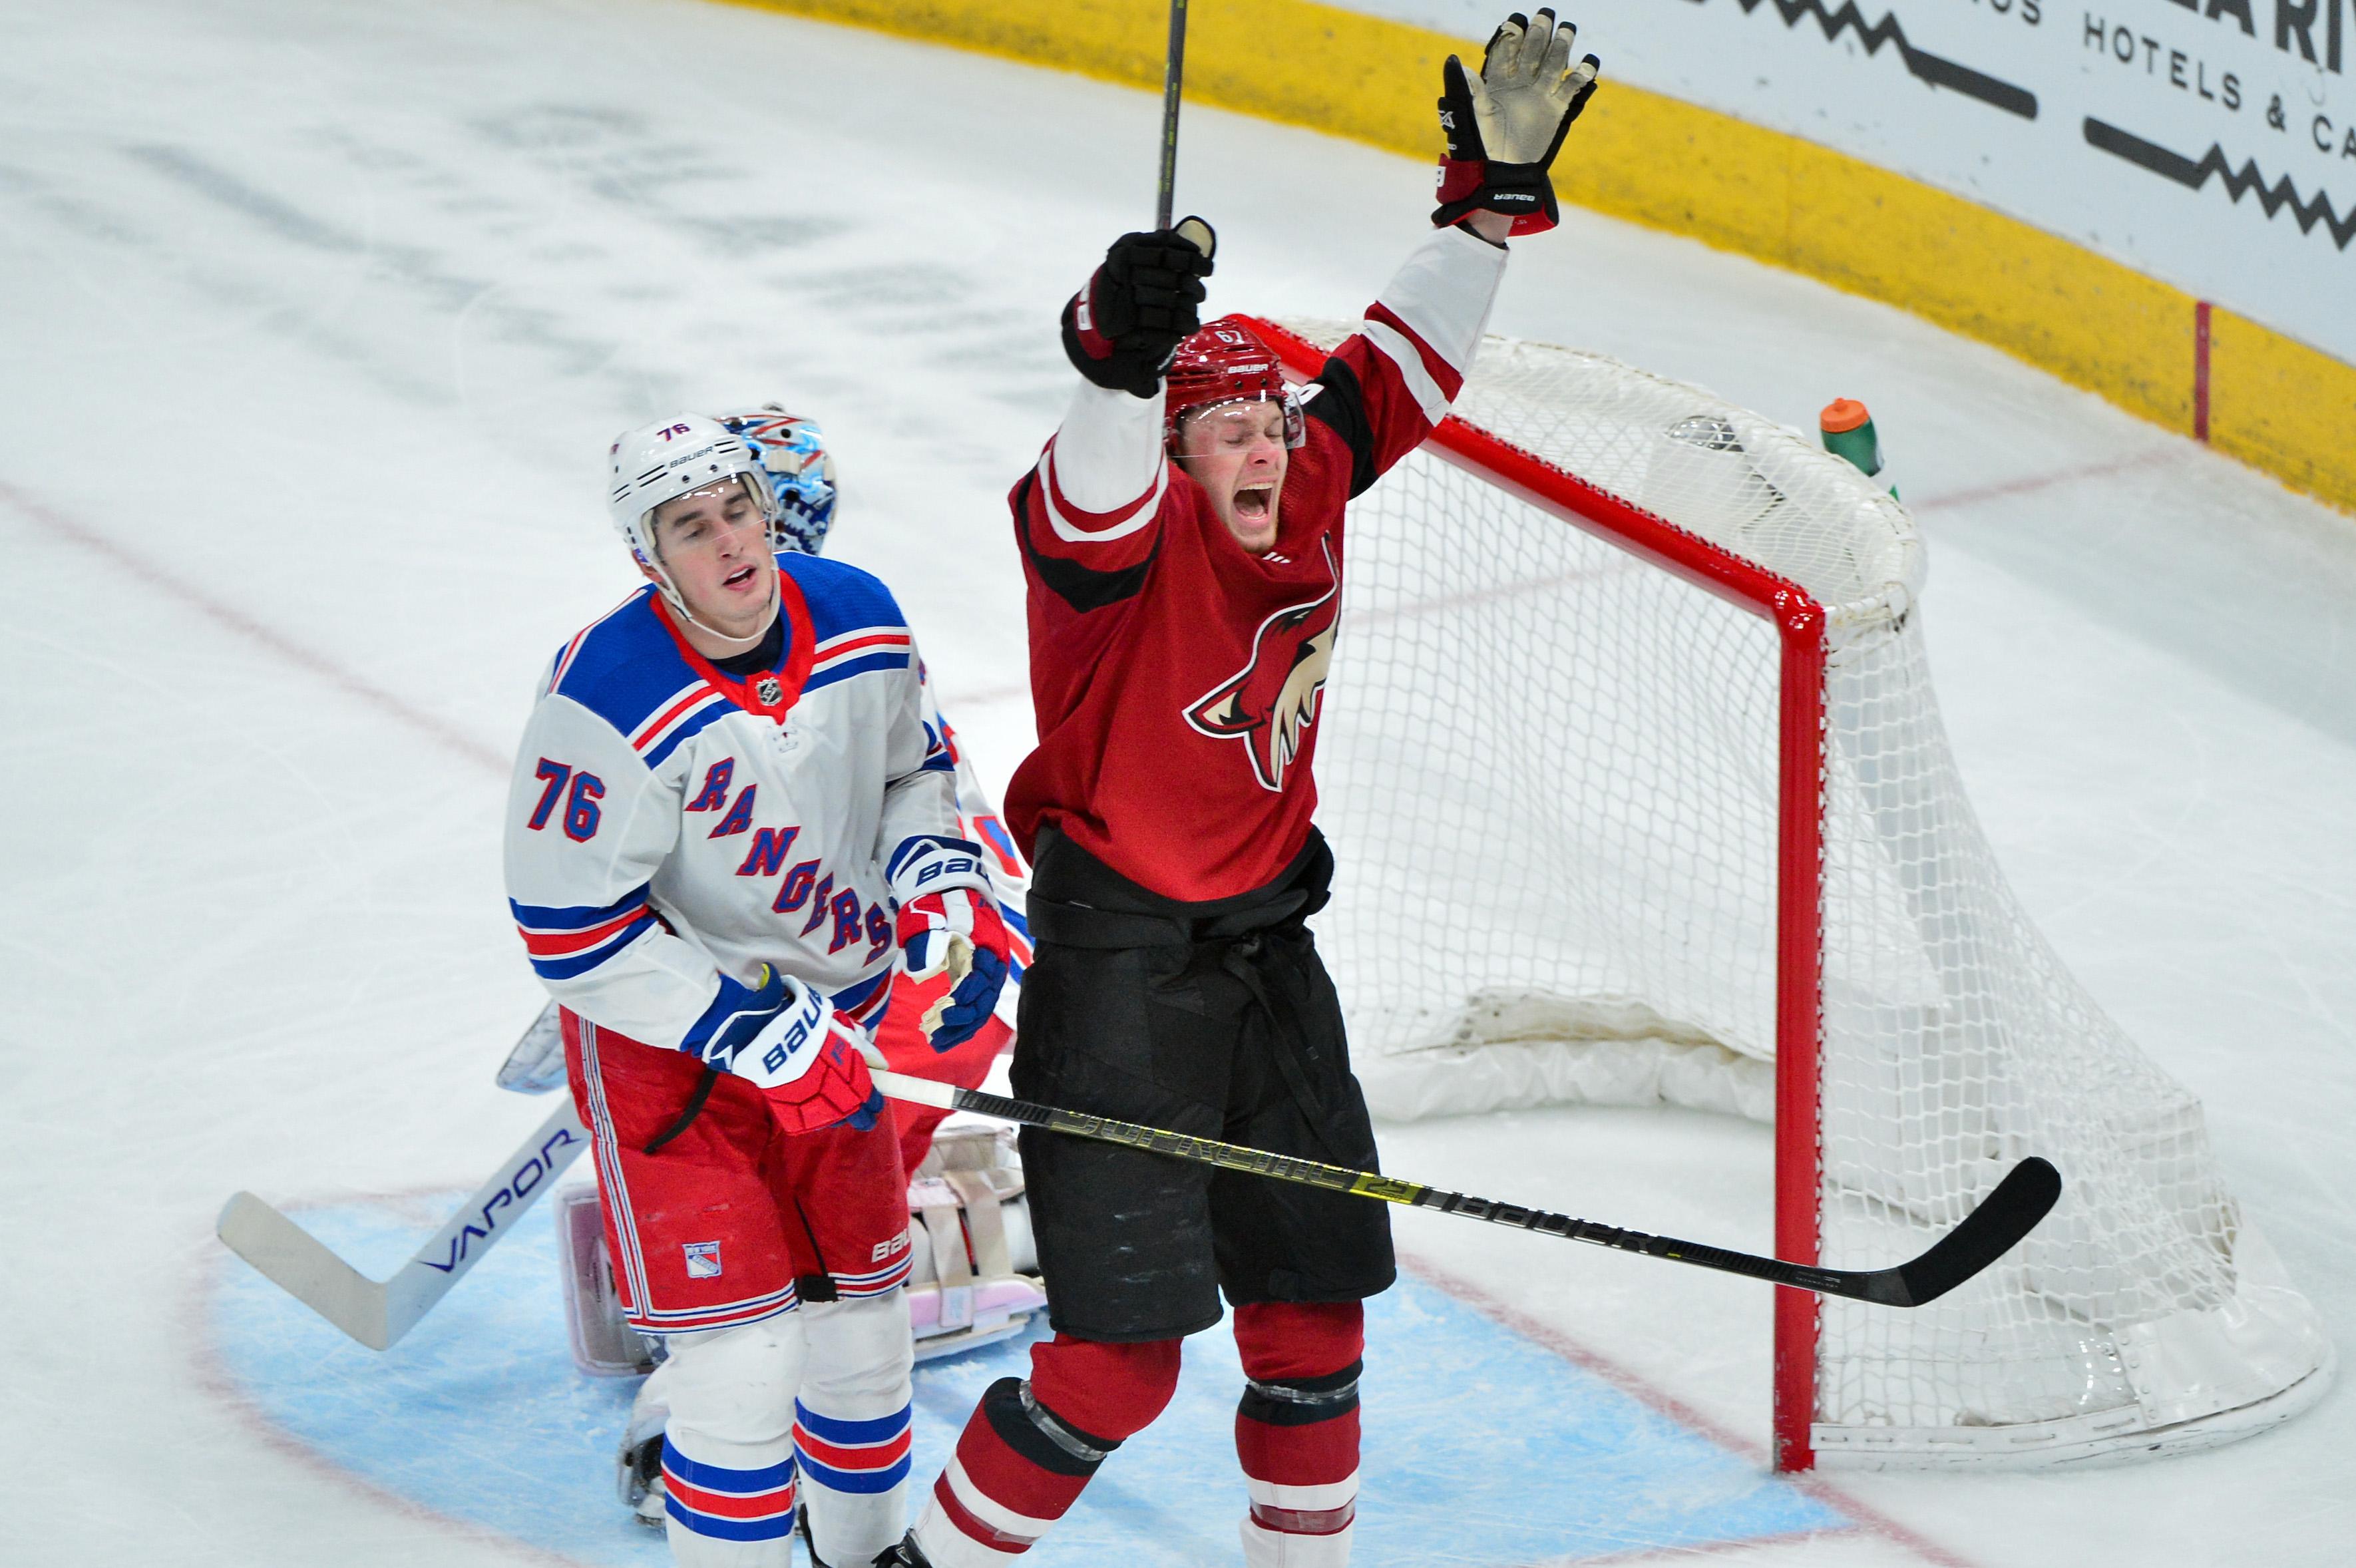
<point x="376" y="1313"/>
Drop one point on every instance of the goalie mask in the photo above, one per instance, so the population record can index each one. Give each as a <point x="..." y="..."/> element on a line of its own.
<point x="1226" y="363"/>
<point x="673" y="458"/>
<point x="798" y="468"/>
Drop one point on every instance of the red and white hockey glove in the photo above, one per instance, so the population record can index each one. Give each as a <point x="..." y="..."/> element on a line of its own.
<point x="1120" y="331"/>
<point x="1504" y="125"/>
<point x="958" y="933"/>
<point x="806" y="1063"/>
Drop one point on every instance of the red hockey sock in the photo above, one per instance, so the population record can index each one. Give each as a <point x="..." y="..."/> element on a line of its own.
<point x="1297" y="1429"/>
<point x="1029" y="1448"/>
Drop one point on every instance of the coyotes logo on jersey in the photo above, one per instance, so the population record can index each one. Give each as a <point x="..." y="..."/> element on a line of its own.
<point x="1273" y="698"/>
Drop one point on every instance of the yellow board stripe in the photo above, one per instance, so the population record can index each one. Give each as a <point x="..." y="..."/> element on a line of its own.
<point x="2274" y="403"/>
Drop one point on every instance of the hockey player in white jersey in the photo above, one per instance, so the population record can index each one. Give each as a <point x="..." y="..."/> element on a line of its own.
<point x="727" y="812"/>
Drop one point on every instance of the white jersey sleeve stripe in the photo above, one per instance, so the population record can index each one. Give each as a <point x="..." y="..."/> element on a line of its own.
<point x="669" y="711"/>
<point x="1076" y="526"/>
<point x="1440" y="298"/>
<point x="1396" y="348"/>
<point x="1108" y="451"/>
<point x="860" y="645"/>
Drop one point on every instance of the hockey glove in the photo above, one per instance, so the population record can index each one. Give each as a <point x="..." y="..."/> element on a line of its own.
<point x="958" y="933"/>
<point x="806" y="1063"/>
<point x="1504" y="126"/>
<point x="1120" y="331"/>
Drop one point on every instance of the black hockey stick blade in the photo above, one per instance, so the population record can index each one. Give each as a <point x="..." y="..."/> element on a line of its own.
<point x="2003" y="1220"/>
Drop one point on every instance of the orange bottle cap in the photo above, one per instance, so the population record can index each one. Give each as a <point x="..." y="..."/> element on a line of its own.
<point x="1843" y="414"/>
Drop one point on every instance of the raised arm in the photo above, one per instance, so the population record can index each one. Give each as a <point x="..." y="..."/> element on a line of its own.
<point x="1384" y="388"/>
<point x="1088" y="513"/>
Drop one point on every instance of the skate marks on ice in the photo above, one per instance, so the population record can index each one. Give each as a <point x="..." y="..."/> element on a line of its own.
<point x="1482" y="1446"/>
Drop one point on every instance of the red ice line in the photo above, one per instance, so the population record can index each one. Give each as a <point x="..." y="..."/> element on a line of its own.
<point x="440" y="732"/>
<point x="2046" y="480"/>
<point x="217" y="1379"/>
<point x="1871" y="1520"/>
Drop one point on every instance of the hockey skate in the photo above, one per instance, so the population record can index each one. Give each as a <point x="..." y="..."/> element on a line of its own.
<point x="638" y="1461"/>
<point x="907" y="1554"/>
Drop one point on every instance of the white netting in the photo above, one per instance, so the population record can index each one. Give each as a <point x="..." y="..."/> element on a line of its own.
<point x="1550" y="770"/>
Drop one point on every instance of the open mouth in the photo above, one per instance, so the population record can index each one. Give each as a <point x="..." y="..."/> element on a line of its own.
<point x="739" y="578"/>
<point x="1253" y="505"/>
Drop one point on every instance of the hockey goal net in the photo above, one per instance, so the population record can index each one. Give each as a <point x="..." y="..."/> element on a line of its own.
<point x="1630" y="749"/>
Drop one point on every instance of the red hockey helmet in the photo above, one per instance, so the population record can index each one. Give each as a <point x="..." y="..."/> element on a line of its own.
<point x="1226" y="363"/>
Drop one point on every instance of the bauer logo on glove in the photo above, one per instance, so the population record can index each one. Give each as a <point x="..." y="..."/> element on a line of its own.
<point x="806" y="1062"/>
<point x="949" y="926"/>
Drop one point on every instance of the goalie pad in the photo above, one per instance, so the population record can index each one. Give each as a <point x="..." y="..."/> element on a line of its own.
<point x="973" y="1277"/>
<point x="974" y="1271"/>
<point x="604" y="1346"/>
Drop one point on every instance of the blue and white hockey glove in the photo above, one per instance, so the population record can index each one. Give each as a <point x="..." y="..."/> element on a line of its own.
<point x="958" y="933"/>
<point x="805" y="1061"/>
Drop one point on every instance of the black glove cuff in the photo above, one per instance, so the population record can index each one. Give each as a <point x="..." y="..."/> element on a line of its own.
<point x="1133" y="364"/>
<point x="1520" y="191"/>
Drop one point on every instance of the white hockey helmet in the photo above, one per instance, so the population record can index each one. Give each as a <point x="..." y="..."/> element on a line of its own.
<point x="673" y="457"/>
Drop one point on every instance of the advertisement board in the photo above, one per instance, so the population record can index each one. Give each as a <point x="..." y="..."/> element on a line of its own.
<point x="2208" y="143"/>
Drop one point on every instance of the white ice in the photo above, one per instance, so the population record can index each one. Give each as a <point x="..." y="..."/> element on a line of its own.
<point x="316" y="319"/>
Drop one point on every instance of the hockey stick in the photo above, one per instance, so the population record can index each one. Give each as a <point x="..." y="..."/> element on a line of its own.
<point x="376" y="1313"/>
<point x="1173" y="73"/>
<point x="2002" y="1219"/>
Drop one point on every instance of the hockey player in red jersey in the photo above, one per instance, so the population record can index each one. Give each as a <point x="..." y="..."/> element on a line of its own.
<point x="1184" y="539"/>
<point x="727" y="813"/>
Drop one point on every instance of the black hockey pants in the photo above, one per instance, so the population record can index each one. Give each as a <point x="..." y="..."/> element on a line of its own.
<point x="1215" y="1019"/>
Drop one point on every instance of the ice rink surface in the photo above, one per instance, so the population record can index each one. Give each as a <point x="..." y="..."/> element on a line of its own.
<point x="317" y="321"/>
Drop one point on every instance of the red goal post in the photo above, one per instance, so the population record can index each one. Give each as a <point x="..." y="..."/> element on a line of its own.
<point x="1799" y="622"/>
<point x="1960" y="1043"/>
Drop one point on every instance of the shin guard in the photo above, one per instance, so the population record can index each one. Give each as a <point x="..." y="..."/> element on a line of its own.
<point x="728" y="1446"/>
<point x="1023" y="1457"/>
<point x="1296" y="1432"/>
<point x="850" y="1426"/>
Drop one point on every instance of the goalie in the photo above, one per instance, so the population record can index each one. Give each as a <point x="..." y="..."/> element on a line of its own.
<point x="1183" y="538"/>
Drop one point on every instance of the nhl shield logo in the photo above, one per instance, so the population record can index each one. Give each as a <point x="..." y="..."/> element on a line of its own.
<point x="703" y="1260"/>
<point x="769" y="690"/>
